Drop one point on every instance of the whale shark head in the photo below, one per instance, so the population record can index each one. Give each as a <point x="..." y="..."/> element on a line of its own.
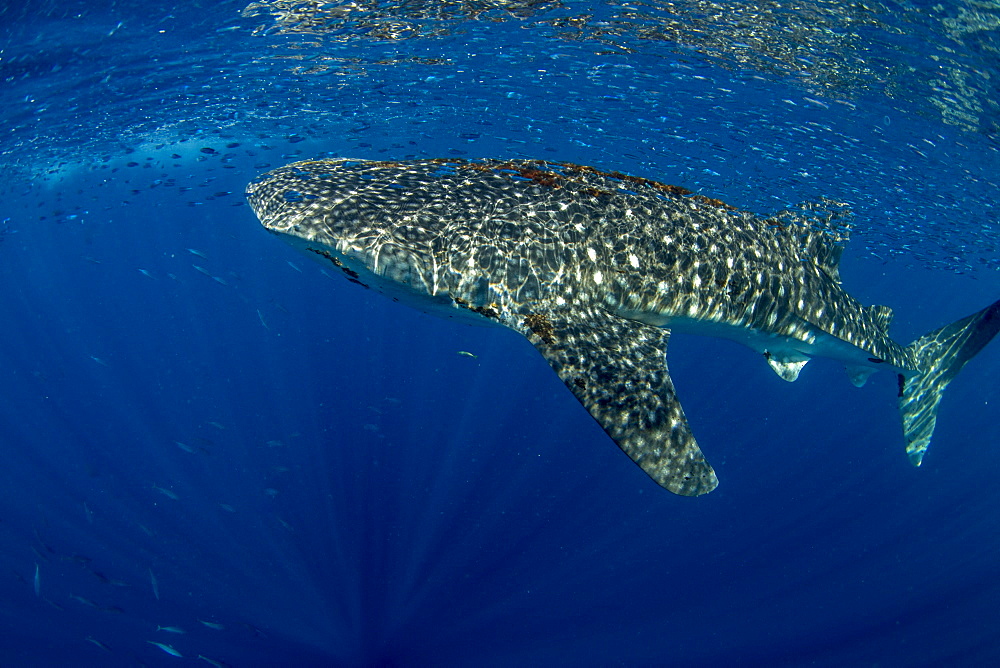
<point x="379" y="232"/>
<point x="344" y="221"/>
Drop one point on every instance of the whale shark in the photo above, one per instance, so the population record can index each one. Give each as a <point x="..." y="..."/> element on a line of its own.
<point x="596" y="268"/>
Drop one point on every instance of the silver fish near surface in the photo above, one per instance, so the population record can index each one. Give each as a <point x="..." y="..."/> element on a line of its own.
<point x="170" y="629"/>
<point x="166" y="648"/>
<point x="166" y="492"/>
<point x="155" y="584"/>
<point x="595" y="269"/>
<point x="84" y="601"/>
<point x="97" y="643"/>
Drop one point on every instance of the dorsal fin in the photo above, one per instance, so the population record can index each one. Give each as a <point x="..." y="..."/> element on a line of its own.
<point x="882" y="315"/>
<point x="822" y="228"/>
<point x="826" y="252"/>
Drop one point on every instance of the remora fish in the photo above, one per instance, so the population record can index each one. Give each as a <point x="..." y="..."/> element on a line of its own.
<point x="595" y="268"/>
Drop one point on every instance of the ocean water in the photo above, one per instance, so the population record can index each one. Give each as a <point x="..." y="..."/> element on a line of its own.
<point x="199" y="425"/>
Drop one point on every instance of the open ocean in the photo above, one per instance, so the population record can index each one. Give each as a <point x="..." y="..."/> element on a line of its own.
<point x="202" y="429"/>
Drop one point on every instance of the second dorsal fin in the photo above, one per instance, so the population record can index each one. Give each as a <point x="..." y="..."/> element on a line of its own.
<point x="882" y="315"/>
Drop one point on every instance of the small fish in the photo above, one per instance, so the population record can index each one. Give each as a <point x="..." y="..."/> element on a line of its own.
<point x="195" y="251"/>
<point x="219" y="280"/>
<point x="212" y="625"/>
<point x="253" y="629"/>
<point x="85" y="601"/>
<point x="155" y="584"/>
<point x="98" y="643"/>
<point x="53" y="604"/>
<point x="217" y="425"/>
<point x="146" y="273"/>
<point x="261" y="316"/>
<point x="166" y="648"/>
<point x="117" y="609"/>
<point x="213" y="662"/>
<point x="98" y="360"/>
<point x="165" y="492"/>
<point x="228" y="508"/>
<point x="468" y="354"/>
<point x="88" y="513"/>
<point x="38" y="580"/>
<point x="48" y="548"/>
<point x="202" y="270"/>
<point x="185" y="447"/>
<point x="170" y="629"/>
<point x="292" y="265"/>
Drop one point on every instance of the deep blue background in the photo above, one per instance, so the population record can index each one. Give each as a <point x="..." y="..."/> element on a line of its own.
<point x="353" y="491"/>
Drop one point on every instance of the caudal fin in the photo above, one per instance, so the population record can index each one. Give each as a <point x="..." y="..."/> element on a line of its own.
<point x="940" y="355"/>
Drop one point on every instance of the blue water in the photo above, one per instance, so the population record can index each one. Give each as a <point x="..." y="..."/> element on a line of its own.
<point x="319" y="472"/>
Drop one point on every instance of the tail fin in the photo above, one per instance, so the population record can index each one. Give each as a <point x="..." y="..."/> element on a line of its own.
<point x="940" y="355"/>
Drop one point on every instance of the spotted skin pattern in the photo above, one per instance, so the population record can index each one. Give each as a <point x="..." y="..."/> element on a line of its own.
<point x="594" y="268"/>
<point x="942" y="353"/>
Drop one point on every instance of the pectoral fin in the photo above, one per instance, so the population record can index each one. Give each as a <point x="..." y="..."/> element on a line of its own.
<point x="617" y="369"/>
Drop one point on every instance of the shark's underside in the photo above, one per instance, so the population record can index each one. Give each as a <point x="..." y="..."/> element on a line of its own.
<point x="595" y="268"/>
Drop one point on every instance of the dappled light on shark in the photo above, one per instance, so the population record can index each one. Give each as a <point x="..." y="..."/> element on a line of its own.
<point x="596" y="268"/>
